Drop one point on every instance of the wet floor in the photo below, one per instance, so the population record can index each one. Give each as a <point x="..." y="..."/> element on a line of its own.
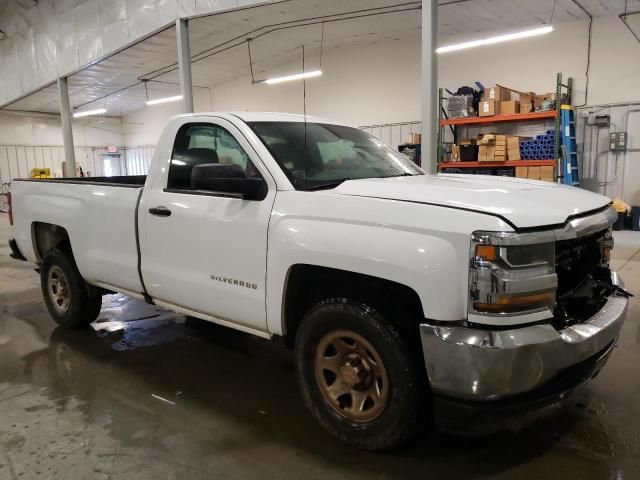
<point x="166" y="397"/>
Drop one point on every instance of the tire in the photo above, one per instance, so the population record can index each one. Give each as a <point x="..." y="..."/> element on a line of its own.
<point x="70" y="301"/>
<point x="396" y="401"/>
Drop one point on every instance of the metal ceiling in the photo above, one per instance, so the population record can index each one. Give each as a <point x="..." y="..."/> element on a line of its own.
<point x="219" y="43"/>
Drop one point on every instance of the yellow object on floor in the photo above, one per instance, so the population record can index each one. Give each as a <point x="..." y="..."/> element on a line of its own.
<point x="40" y="173"/>
<point x="621" y="206"/>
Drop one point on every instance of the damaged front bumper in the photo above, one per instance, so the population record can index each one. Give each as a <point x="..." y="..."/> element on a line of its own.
<point x="515" y="370"/>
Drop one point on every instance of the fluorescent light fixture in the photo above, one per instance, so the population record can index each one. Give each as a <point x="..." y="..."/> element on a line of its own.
<point x="164" y="100"/>
<point x="296" y="76"/>
<point x="86" y="113"/>
<point x="498" y="39"/>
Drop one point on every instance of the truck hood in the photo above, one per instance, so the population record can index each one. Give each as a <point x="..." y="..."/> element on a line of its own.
<point x="524" y="203"/>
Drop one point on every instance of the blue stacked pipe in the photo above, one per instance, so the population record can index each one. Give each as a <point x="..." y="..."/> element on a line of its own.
<point x="538" y="148"/>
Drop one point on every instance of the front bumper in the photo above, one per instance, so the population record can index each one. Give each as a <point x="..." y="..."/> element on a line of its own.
<point x="536" y="363"/>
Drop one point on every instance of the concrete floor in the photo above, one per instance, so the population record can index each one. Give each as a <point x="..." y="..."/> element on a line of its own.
<point x="169" y="398"/>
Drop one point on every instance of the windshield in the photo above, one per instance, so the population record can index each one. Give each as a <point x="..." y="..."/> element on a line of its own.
<point x="333" y="154"/>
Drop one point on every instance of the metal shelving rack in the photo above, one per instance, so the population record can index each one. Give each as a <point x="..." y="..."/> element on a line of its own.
<point x="563" y="96"/>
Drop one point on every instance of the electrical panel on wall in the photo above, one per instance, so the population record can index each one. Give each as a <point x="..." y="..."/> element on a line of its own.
<point x="617" y="141"/>
<point x="602" y="120"/>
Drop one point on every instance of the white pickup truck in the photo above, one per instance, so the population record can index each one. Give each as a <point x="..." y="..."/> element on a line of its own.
<point x="405" y="296"/>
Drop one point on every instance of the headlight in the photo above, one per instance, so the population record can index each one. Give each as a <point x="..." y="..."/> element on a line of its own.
<point x="509" y="276"/>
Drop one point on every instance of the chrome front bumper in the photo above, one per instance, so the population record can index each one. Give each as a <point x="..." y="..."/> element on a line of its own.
<point x="479" y="365"/>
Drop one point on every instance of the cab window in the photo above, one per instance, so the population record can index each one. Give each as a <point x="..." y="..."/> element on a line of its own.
<point x="204" y="143"/>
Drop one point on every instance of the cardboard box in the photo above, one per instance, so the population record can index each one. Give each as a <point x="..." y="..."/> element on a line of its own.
<point x="455" y="153"/>
<point x="546" y="173"/>
<point x="482" y="153"/>
<point x="513" y="148"/>
<point x="488" y="108"/>
<point x="487" y="147"/>
<point x="497" y="93"/>
<point x="486" y="138"/>
<point x="509" y="107"/>
<point x="526" y="107"/>
<point x="513" y="142"/>
<point x="486" y="153"/>
<point x="522" y="172"/>
<point x="534" y="173"/>
<point x="526" y="102"/>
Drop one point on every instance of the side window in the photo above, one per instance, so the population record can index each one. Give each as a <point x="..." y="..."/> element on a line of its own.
<point x="204" y="143"/>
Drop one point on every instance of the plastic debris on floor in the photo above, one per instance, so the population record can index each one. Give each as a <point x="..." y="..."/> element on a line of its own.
<point x="108" y="326"/>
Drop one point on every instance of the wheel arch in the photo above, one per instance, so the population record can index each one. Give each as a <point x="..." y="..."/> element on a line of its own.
<point x="47" y="236"/>
<point x="307" y="284"/>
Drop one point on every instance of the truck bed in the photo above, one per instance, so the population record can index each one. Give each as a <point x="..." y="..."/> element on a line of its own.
<point x="99" y="215"/>
<point x="118" y="181"/>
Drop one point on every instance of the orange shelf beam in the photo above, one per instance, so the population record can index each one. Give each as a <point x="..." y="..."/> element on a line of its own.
<point x="508" y="163"/>
<point x="499" y="118"/>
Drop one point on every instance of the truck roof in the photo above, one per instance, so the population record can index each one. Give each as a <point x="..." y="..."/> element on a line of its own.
<point x="269" y="117"/>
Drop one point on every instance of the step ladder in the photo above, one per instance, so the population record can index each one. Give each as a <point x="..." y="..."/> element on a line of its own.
<point x="570" y="170"/>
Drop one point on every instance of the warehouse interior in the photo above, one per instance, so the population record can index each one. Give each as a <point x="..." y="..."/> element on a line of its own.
<point x="87" y="87"/>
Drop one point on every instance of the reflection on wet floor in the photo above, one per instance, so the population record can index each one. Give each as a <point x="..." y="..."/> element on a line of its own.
<point x="170" y="397"/>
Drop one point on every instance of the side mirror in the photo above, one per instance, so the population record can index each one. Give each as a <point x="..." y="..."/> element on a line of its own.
<point x="224" y="178"/>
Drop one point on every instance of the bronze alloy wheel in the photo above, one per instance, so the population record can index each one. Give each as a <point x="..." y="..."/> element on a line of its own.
<point x="351" y="376"/>
<point x="58" y="288"/>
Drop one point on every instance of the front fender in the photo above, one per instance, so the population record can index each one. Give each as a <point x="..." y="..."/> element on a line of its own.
<point x="420" y="246"/>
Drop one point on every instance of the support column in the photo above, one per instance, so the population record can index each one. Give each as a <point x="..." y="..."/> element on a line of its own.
<point x="184" y="62"/>
<point x="67" y="128"/>
<point x="429" y="86"/>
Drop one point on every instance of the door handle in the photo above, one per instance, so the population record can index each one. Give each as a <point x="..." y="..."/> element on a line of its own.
<point x="160" y="211"/>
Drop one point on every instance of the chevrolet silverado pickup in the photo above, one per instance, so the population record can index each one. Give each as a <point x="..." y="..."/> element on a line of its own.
<point x="406" y="297"/>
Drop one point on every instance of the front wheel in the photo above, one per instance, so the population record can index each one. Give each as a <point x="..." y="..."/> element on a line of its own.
<point x="70" y="301"/>
<point x="358" y="376"/>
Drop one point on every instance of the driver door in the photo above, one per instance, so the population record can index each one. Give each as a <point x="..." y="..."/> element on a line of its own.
<point x="206" y="251"/>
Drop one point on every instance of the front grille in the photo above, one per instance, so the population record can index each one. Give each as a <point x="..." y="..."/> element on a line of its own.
<point x="584" y="281"/>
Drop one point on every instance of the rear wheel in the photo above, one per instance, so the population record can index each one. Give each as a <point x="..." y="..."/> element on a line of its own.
<point x="358" y="377"/>
<point x="70" y="301"/>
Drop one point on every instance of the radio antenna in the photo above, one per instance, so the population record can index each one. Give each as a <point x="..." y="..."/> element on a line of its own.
<point x="304" y="111"/>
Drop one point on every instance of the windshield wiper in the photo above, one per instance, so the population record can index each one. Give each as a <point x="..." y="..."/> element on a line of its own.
<point x="327" y="185"/>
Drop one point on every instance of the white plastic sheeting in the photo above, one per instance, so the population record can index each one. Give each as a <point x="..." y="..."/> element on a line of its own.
<point x="219" y="47"/>
<point x="53" y="38"/>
